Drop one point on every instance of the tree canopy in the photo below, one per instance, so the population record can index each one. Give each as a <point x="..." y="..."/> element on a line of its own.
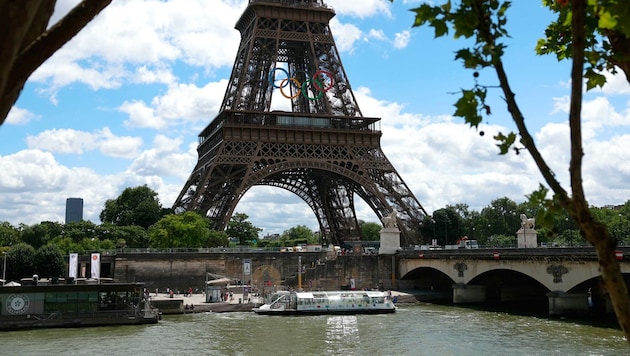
<point x="20" y="261"/>
<point x="370" y="231"/>
<point x="49" y="262"/>
<point x="242" y="229"/>
<point x="134" y="206"/>
<point x="188" y="229"/>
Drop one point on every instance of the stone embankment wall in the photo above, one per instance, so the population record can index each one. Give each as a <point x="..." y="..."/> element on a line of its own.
<point x="320" y="270"/>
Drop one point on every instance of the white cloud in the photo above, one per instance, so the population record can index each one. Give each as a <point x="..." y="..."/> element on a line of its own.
<point x="19" y="116"/>
<point x="164" y="160"/>
<point x="377" y="34"/>
<point x="70" y="141"/>
<point x="345" y="35"/>
<point x="402" y="39"/>
<point x="181" y="103"/>
<point x="156" y="35"/>
<point x="616" y="84"/>
<point x="362" y="9"/>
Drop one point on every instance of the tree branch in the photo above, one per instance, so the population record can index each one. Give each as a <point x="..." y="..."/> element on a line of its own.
<point x="25" y="62"/>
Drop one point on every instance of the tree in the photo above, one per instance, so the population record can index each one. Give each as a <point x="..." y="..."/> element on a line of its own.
<point x="502" y="216"/>
<point x="28" y="40"/>
<point x="79" y="230"/>
<point x="9" y="235"/>
<point x="445" y="225"/>
<point x="370" y="231"/>
<point x="243" y="230"/>
<point x="49" y="261"/>
<point x="132" y="236"/>
<point x="20" y="261"/>
<point x="188" y="229"/>
<point x="217" y="239"/>
<point x="595" y="35"/>
<point x="134" y="206"/>
<point x="38" y="235"/>
<point x="300" y="234"/>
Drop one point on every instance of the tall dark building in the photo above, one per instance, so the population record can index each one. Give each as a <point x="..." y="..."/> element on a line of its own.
<point x="324" y="150"/>
<point x="74" y="210"/>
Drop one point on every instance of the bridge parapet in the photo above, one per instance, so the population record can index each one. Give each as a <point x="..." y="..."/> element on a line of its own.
<point x="546" y="254"/>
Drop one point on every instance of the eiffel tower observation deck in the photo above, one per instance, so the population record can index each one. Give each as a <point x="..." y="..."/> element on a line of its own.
<point x="320" y="147"/>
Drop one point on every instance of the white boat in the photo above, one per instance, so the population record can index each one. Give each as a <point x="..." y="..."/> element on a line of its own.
<point x="335" y="302"/>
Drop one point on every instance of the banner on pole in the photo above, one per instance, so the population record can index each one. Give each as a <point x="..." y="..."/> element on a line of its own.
<point x="95" y="266"/>
<point x="73" y="265"/>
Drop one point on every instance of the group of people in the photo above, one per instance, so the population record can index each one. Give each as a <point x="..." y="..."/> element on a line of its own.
<point x="187" y="293"/>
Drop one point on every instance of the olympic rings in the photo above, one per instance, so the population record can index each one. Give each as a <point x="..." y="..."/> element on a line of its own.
<point x="302" y="88"/>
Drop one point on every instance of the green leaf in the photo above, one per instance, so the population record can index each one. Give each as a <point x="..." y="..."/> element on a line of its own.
<point x="607" y="21"/>
<point x="505" y="142"/>
<point x="594" y="79"/>
<point x="441" y="28"/>
<point x="466" y="107"/>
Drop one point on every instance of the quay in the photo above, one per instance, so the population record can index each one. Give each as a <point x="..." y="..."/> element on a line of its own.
<point x="181" y="303"/>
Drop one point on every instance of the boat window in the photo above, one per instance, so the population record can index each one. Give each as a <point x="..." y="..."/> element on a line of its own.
<point x="71" y="302"/>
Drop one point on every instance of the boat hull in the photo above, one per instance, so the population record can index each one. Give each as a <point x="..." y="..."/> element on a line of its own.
<point x="324" y="312"/>
<point x="74" y="322"/>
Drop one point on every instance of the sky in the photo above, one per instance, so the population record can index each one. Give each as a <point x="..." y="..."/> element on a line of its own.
<point x="122" y="103"/>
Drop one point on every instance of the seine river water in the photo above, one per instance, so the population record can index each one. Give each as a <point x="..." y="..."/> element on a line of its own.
<point x="412" y="330"/>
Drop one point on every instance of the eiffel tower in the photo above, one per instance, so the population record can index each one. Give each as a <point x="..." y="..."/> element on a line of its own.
<point x="323" y="150"/>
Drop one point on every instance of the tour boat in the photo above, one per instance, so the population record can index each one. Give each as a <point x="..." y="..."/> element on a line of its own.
<point x="74" y="305"/>
<point x="335" y="302"/>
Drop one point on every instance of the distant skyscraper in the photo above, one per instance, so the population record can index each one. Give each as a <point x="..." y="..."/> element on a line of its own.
<point x="74" y="210"/>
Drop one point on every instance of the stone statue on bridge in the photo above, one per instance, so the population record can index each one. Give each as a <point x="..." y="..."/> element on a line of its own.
<point x="390" y="235"/>
<point x="526" y="236"/>
<point x="391" y="221"/>
<point x="527" y="223"/>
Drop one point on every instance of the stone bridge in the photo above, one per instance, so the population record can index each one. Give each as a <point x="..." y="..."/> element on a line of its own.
<point x="565" y="278"/>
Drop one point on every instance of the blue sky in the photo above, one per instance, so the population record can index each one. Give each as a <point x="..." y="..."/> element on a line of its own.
<point x="121" y="105"/>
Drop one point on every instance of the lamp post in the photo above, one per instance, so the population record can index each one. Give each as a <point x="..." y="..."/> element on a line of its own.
<point x="620" y="237"/>
<point x="445" y="233"/>
<point x="4" y="269"/>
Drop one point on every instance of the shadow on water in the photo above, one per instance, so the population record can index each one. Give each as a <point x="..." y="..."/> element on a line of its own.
<point x="538" y="309"/>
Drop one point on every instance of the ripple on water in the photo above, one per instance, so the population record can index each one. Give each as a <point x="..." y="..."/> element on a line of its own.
<point x="412" y="330"/>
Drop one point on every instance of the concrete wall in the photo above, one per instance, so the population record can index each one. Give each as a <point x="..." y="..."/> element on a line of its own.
<point x="180" y="271"/>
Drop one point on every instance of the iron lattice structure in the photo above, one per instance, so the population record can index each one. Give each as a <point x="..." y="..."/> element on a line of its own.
<point x="323" y="150"/>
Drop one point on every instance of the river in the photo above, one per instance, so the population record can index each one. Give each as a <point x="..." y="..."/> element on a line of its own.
<point x="423" y="329"/>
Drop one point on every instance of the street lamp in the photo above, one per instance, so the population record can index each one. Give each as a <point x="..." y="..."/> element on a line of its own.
<point x="620" y="237"/>
<point x="4" y="269"/>
<point x="445" y="233"/>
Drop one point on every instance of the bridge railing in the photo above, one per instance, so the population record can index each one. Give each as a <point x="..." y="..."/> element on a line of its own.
<point x="578" y="253"/>
<point x="240" y="249"/>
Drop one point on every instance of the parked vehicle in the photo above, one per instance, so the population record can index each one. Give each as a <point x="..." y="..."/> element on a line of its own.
<point x="463" y="243"/>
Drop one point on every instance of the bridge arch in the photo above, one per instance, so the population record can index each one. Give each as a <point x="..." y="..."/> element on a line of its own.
<point x="555" y="276"/>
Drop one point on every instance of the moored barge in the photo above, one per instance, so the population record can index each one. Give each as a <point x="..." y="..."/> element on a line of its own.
<point x="74" y="305"/>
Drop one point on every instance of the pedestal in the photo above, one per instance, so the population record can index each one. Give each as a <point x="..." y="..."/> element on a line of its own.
<point x="527" y="238"/>
<point x="390" y="241"/>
